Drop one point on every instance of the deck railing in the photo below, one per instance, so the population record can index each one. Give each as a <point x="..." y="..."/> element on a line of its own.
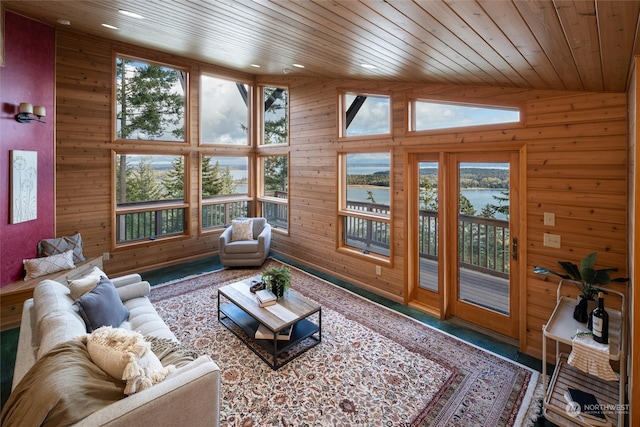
<point x="149" y="224"/>
<point x="483" y="242"/>
<point x="220" y="214"/>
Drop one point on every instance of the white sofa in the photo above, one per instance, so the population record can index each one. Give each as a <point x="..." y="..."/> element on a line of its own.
<point x="188" y="396"/>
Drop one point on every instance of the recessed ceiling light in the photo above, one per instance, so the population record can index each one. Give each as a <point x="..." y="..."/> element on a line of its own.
<point x="131" y="14"/>
<point x="64" y="21"/>
<point x="110" y="26"/>
<point x="368" y="66"/>
<point x="255" y="65"/>
<point x="298" y="65"/>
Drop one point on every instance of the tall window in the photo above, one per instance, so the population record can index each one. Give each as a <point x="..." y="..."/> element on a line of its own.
<point x="224" y="111"/>
<point x="275" y="115"/>
<point x="430" y="115"/>
<point x="365" y="202"/>
<point x="150" y="196"/>
<point x="225" y="189"/>
<point x="150" y="101"/>
<point x="274" y="185"/>
<point x="364" y="115"/>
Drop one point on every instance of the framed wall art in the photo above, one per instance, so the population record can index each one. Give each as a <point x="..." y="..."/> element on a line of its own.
<point x="24" y="186"/>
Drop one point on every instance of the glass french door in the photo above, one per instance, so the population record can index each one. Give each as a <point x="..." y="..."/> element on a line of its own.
<point x="484" y="286"/>
<point x="464" y="256"/>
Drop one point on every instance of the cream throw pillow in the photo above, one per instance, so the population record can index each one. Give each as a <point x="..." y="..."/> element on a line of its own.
<point x="86" y="283"/>
<point x="37" y="267"/>
<point x="241" y="230"/>
<point x="126" y="355"/>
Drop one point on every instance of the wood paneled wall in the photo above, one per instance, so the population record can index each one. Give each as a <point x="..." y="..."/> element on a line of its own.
<point x="576" y="145"/>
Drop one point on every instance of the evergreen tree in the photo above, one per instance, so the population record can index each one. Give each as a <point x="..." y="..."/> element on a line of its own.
<point x="429" y="195"/>
<point x="143" y="185"/>
<point x="215" y="179"/>
<point x="370" y="196"/>
<point x="149" y="107"/>
<point x="502" y="205"/>
<point x="173" y="181"/>
<point x="275" y="173"/>
<point x="275" y="131"/>
<point x="465" y="206"/>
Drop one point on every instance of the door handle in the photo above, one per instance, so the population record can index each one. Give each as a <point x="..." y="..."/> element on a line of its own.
<point x="514" y="249"/>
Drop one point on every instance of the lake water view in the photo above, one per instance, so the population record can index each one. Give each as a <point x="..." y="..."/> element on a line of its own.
<point x="478" y="197"/>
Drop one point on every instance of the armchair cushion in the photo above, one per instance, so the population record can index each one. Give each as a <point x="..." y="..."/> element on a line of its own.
<point x="244" y="247"/>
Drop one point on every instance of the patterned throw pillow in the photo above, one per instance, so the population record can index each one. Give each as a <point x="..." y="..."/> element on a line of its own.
<point x="37" y="267"/>
<point x="241" y="229"/>
<point x="126" y="355"/>
<point x="73" y="243"/>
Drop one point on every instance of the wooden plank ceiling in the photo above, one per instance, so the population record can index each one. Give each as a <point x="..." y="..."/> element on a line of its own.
<point x="585" y="45"/>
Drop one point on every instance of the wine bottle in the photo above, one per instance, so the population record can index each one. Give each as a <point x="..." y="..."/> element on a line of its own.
<point x="600" y="322"/>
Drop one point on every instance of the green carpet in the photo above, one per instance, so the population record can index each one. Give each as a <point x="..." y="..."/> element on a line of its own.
<point x="8" y="348"/>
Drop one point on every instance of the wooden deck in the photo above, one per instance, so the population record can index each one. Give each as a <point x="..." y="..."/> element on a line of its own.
<point x="477" y="288"/>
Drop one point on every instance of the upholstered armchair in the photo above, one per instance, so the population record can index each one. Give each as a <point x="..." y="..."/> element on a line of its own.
<point x="245" y="243"/>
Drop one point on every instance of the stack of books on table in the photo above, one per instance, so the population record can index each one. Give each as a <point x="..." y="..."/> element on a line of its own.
<point x="266" y="298"/>
<point x="590" y="411"/>
<point x="263" y="333"/>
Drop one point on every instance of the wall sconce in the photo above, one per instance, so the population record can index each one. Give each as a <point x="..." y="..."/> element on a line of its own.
<point x="28" y="113"/>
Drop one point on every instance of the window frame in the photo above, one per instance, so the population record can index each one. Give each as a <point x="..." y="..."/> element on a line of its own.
<point x="342" y="111"/>
<point x="343" y="212"/>
<point x="187" y="102"/>
<point x="410" y="114"/>
<point x="150" y="206"/>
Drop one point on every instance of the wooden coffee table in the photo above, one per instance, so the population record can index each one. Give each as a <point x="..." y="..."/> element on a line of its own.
<point x="238" y="311"/>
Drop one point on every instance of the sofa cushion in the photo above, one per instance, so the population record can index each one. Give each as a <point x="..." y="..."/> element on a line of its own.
<point x="126" y="355"/>
<point x="144" y="318"/>
<point x="102" y="306"/>
<point x="50" y="297"/>
<point x="134" y="290"/>
<point x="84" y="284"/>
<point x="48" y="247"/>
<point x="241" y="229"/>
<point x="57" y="328"/>
<point x="37" y="267"/>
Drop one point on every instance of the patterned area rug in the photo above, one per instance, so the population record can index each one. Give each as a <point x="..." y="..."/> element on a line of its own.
<point x="374" y="366"/>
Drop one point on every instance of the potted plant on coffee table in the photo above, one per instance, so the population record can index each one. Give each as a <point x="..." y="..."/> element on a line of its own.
<point x="586" y="278"/>
<point x="277" y="280"/>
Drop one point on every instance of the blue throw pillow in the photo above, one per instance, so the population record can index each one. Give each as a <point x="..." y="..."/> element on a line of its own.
<point x="102" y="306"/>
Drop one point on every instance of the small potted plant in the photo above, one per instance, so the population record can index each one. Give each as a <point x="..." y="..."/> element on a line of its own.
<point x="277" y="280"/>
<point x="586" y="278"/>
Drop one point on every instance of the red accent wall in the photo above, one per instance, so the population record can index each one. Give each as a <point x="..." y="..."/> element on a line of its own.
<point x="28" y="75"/>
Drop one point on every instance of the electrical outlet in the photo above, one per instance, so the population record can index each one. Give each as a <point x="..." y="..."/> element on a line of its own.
<point x="106" y="256"/>
<point x="551" y="240"/>
<point x="550" y="219"/>
<point x="378" y="270"/>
